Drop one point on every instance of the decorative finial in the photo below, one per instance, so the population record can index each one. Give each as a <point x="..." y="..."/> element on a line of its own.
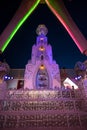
<point x="41" y="29"/>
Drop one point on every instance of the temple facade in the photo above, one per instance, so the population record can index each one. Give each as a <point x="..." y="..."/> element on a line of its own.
<point x="42" y="72"/>
<point x="41" y="96"/>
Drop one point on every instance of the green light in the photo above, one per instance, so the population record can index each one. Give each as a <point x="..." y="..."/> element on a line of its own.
<point x="19" y="25"/>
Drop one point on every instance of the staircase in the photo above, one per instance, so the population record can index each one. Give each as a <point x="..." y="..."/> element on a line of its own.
<point x="62" y="109"/>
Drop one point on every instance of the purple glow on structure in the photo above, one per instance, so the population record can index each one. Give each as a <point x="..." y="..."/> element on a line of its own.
<point x="79" y="77"/>
<point x="6" y="77"/>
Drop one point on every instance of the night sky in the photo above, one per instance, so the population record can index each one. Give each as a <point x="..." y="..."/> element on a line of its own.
<point x="65" y="51"/>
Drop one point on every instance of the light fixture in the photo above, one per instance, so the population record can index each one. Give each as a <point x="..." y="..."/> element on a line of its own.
<point x="41" y="48"/>
<point x="42" y="67"/>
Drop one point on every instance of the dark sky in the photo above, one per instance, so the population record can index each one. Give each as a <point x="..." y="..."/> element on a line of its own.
<point x="65" y="51"/>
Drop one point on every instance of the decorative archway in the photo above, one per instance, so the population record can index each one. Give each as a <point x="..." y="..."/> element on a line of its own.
<point x="42" y="78"/>
<point x="58" y="9"/>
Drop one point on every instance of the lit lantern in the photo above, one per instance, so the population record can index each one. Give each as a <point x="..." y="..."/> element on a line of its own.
<point x="41" y="48"/>
<point x="42" y="67"/>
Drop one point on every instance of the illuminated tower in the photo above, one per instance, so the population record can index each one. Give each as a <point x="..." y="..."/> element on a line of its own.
<point x="42" y="72"/>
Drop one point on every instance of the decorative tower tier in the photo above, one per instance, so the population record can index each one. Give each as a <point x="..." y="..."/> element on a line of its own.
<point x="42" y="72"/>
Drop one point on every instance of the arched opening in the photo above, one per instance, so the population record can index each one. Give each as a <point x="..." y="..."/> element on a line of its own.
<point x="42" y="78"/>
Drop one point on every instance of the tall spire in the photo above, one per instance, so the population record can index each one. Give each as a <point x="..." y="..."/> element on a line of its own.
<point x="42" y="72"/>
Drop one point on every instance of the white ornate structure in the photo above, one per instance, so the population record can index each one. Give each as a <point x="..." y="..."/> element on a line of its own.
<point x="42" y="72"/>
<point x="30" y="101"/>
